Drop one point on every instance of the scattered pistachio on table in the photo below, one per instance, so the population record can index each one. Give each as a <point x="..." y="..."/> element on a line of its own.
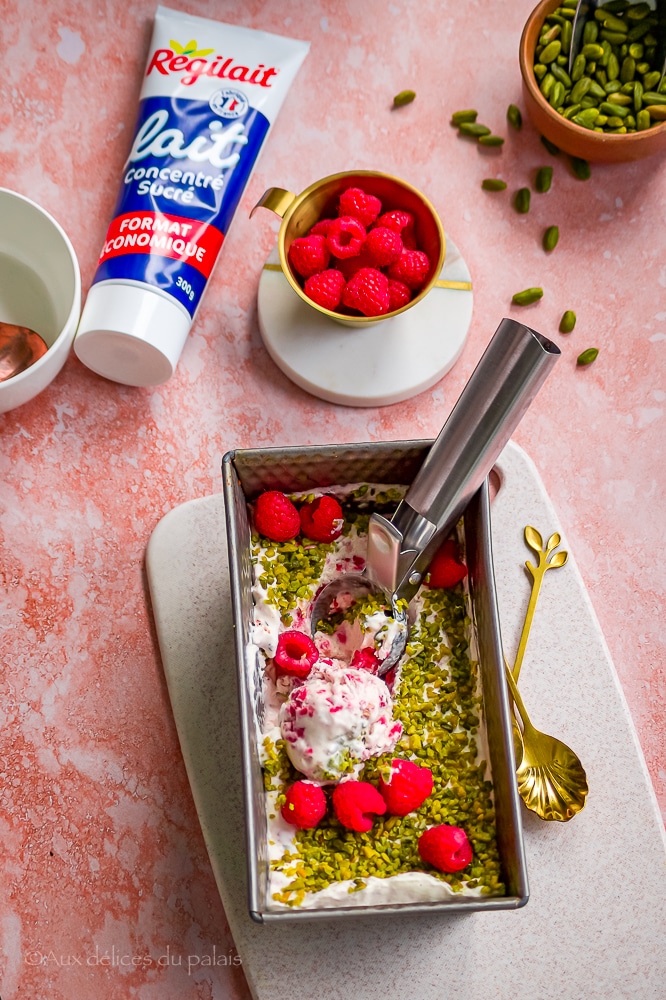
<point x="568" y="321"/>
<point x="522" y="201"/>
<point x="493" y="184"/>
<point x="474" y="129"/>
<point x="514" y="117"/>
<point x="466" y="123"/>
<point x="544" y="178"/>
<point x="458" y="117"/>
<point x="587" y="357"/>
<point x="527" y="297"/>
<point x="581" y="168"/>
<point x="550" y="146"/>
<point x="404" y="97"/>
<point x="551" y="238"/>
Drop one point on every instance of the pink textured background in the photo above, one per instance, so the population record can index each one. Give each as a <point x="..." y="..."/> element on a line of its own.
<point x="102" y="852"/>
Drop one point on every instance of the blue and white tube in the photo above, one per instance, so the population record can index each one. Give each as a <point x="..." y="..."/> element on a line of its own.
<point x="210" y="94"/>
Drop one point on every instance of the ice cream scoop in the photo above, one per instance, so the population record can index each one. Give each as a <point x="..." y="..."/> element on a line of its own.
<point x="507" y="378"/>
<point x="337" y="718"/>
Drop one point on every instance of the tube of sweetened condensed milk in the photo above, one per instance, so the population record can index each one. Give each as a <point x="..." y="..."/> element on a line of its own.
<point x="210" y="94"/>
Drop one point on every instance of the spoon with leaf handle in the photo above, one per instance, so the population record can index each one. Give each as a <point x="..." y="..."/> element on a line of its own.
<point x="548" y="559"/>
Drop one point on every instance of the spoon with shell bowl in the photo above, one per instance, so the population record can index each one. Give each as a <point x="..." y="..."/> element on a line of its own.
<point x="551" y="779"/>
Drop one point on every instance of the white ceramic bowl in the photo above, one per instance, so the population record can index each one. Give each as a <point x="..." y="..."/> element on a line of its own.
<point x="40" y="287"/>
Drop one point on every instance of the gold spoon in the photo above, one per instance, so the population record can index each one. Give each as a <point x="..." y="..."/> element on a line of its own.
<point x="535" y="542"/>
<point x="20" y="347"/>
<point x="551" y="779"/>
<point x="548" y="559"/>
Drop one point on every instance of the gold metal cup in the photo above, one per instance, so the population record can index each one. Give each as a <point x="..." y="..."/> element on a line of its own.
<point x="320" y="201"/>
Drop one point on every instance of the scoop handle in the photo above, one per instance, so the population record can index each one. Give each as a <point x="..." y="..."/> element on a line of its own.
<point x="502" y="386"/>
<point x="507" y="378"/>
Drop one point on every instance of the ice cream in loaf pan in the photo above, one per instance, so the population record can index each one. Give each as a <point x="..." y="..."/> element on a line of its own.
<point x="430" y="715"/>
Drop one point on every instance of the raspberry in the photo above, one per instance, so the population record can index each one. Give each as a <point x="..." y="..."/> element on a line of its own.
<point x="352" y="265"/>
<point x="399" y="294"/>
<point x="296" y="654"/>
<point x="325" y="288"/>
<point x="345" y="237"/>
<point x="275" y="517"/>
<point x="308" y="255"/>
<point x="407" y="787"/>
<point x="384" y="245"/>
<point x="368" y="292"/>
<point x="353" y="800"/>
<point x="365" y="659"/>
<point x="445" y="848"/>
<point x="321" y="228"/>
<point x="357" y="203"/>
<point x="305" y="805"/>
<point x="409" y="239"/>
<point x="396" y="220"/>
<point x="411" y="268"/>
<point x="322" y="519"/>
<point x="445" y="569"/>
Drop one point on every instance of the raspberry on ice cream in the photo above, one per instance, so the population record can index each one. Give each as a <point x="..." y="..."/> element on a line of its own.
<point x="406" y="788"/>
<point x="365" y="659"/>
<point x="445" y="848"/>
<point x="275" y="517"/>
<point x="337" y="718"/>
<point x="296" y="654"/>
<point x="305" y="805"/>
<point x="355" y="802"/>
<point x="322" y="519"/>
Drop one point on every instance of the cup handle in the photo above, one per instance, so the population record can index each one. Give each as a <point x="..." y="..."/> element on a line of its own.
<point x="276" y="199"/>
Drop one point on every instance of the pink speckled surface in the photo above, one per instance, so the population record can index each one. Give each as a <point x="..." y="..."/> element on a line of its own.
<point x="102" y="848"/>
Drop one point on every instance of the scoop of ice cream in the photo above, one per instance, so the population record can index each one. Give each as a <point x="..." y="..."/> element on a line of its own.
<point x="376" y="630"/>
<point x="338" y="717"/>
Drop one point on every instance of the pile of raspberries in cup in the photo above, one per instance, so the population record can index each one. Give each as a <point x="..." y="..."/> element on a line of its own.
<point x="362" y="261"/>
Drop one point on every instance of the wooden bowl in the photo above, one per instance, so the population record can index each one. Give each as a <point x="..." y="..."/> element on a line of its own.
<point x="572" y="138"/>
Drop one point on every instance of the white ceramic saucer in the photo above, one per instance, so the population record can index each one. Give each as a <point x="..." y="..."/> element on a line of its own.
<point x="371" y="366"/>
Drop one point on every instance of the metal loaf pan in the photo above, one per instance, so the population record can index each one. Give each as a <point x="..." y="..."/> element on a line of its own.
<point x="247" y="473"/>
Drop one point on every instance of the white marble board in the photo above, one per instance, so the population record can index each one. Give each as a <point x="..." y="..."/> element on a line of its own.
<point x="595" y="925"/>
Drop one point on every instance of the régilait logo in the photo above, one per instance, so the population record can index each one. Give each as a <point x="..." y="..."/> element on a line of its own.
<point x="192" y="62"/>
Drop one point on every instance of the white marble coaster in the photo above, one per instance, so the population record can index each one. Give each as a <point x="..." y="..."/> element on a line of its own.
<point x="369" y="366"/>
<point x="595" y="924"/>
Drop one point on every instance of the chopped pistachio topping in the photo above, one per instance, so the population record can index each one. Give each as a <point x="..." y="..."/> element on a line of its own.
<point x="437" y="700"/>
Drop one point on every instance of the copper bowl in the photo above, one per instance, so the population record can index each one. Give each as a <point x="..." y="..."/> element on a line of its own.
<point x="572" y="138"/>
<point x="319" y="201"/>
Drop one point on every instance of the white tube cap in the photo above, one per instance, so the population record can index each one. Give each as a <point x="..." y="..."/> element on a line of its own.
<point x="130" y="334"/>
